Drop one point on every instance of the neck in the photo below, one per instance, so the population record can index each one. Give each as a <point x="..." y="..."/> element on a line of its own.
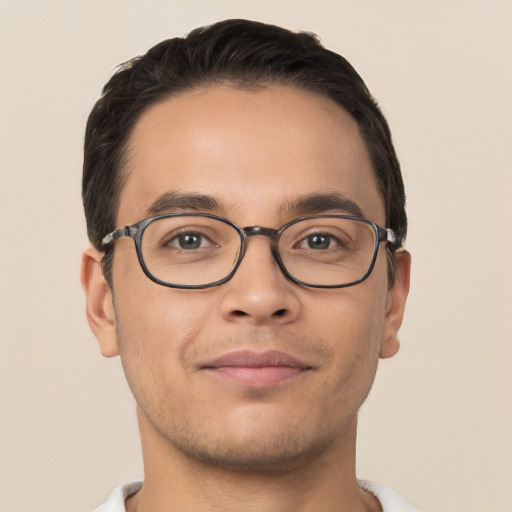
<point x="174" y="481"/>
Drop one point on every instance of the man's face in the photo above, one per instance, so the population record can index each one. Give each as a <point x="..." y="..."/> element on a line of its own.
<point x="256" y="152"/>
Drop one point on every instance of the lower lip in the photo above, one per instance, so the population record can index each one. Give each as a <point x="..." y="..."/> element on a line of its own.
<point x="257" y="377"/>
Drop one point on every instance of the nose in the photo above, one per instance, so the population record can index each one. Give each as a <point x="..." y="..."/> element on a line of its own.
<point x="259" y="293"/>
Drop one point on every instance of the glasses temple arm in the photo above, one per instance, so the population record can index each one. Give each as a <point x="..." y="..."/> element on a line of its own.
<point x="115" y="235"/>
<point x="393" y="240"/>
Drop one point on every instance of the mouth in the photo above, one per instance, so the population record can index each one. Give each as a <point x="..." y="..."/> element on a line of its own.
<point x="256" y="369"/>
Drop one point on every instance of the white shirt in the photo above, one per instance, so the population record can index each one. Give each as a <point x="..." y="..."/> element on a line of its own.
<point x="389" y="499"/>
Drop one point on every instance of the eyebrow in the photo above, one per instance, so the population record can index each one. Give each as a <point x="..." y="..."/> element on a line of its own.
<point x="310" y="204"/>
<point x="173" y="202"/>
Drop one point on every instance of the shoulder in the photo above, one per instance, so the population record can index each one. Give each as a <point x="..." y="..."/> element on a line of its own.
<point x="115" y="502"/>
<point x="390" y="500"/>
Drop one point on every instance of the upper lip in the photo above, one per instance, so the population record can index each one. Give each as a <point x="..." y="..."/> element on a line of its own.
<point x="251" y="359"/>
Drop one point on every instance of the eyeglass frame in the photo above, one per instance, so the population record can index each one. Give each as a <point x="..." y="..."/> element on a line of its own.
<point x="135" y="231"/>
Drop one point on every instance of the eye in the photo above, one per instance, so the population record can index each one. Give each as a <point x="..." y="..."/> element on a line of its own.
<point x="319" y="241"/>
<point x="190" y="241"/>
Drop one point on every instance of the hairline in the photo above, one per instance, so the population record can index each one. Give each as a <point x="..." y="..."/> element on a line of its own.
<point x="126" y="148"/>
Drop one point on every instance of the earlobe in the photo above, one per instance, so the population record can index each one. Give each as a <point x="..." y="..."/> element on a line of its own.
<point x="99" y="304"/>
<point x="397" y="297"/>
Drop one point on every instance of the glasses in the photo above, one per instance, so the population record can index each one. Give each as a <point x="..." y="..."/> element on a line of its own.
<point x="185" y="250"/>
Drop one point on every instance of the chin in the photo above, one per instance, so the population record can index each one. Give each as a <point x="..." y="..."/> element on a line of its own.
<point x="267" y="450"/>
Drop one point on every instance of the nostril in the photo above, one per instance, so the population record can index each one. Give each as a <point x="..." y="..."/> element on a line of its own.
<point x="280" y="312"/>
<point x="238" y="312"/>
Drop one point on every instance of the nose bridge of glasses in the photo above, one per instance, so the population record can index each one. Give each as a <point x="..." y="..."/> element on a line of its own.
<point x="251" y="231"/>
<point x="259" y="231"/>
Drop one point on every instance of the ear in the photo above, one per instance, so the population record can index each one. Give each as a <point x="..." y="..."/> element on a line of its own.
<point x="99" y="304"/>
<point x="397" y="296"/>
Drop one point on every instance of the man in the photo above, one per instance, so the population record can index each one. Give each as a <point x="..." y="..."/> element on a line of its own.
<point x="246" y="211"/>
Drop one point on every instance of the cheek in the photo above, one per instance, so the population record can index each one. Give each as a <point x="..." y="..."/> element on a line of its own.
<point x="353" y="315"/>
<point x="162" y="321"/>
<point x="153" y="333"/>
<point x="151" y="315"/>
<point x="154" y="326"/>
<point x="352" y="322"/>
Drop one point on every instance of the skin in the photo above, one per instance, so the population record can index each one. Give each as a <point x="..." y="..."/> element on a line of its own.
<point x="209" y="444"/>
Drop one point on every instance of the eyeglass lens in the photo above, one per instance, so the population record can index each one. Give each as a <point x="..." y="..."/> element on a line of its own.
<point x="199" y="250"/>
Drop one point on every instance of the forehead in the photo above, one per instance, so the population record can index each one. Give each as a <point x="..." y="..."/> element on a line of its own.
<point x="250" y="150"/>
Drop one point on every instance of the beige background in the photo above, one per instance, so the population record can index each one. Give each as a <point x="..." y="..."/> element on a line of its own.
<point x="438" y="423"/>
